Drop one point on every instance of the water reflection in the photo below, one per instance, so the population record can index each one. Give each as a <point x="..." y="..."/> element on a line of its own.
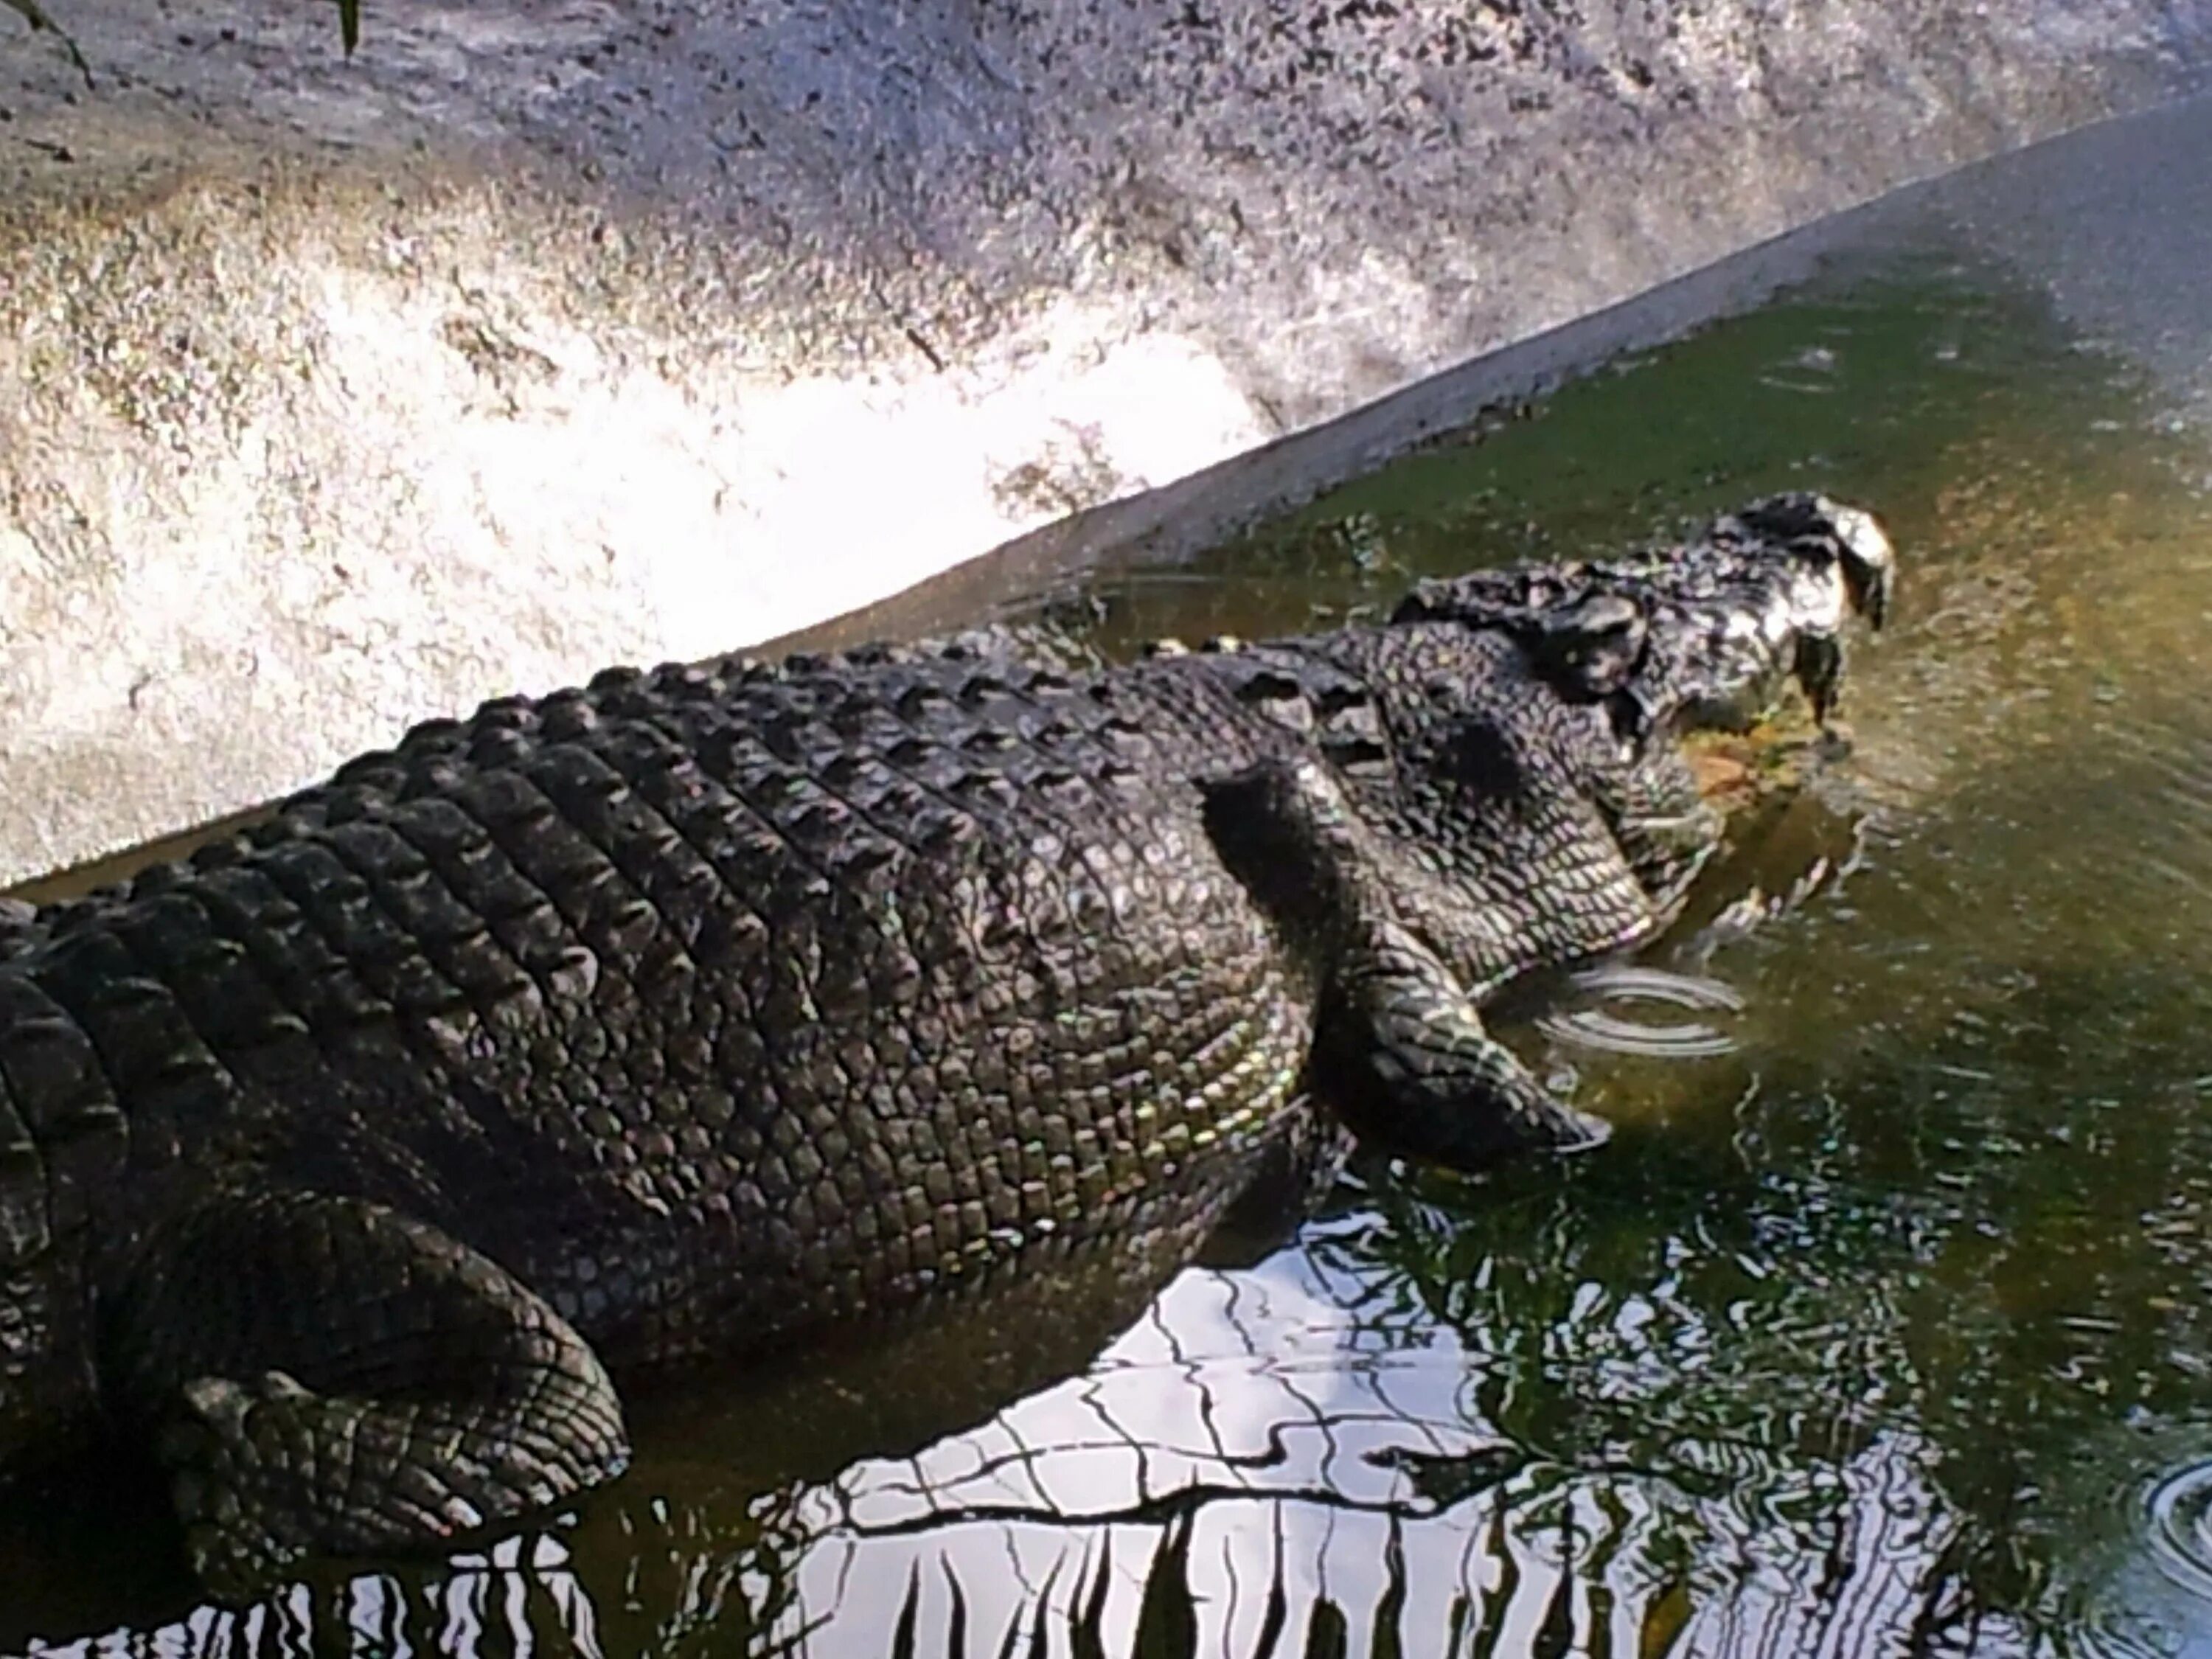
<point x="1293" y="1458"/>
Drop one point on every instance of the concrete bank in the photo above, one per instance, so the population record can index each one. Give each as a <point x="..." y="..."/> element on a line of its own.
<point x="545" y="334"/>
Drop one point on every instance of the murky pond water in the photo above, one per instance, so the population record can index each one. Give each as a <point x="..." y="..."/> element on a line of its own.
<point x="1883" y="1327"/>
<point x="1889" y="1332"/>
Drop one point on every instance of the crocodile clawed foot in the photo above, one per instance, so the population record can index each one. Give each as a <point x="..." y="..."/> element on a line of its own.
<point x="1414" y="1070"/>
<point x="429" y="1397"/>
<point x="220" y="1434"/>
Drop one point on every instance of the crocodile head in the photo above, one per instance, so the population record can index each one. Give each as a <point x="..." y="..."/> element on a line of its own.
<point x="1615" y="658"/>
<point x="1690" y="636"/>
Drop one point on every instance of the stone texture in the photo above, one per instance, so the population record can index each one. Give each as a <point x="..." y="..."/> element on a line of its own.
<point x="541" y="334"/>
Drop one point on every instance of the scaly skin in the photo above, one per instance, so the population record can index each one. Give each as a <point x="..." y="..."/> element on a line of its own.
<point x="696" y="1011"/>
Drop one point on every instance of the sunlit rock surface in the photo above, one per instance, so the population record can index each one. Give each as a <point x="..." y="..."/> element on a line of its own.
<point x="335" y="394"/>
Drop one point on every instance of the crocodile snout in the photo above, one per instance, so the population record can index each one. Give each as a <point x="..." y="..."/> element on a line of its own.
<point x="1869" y="562"/>
<point x="1826" y="563"/>
<point x="1698" y="633"/>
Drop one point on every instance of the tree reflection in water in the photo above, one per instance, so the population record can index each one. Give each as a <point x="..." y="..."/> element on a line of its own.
<point x="1298" y="1458"/>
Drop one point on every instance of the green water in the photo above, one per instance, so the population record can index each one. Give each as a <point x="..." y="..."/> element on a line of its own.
<point x="1884" y="1332"/>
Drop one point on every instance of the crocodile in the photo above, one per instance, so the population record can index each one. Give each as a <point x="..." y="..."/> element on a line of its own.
<point x="698" y="1013"/>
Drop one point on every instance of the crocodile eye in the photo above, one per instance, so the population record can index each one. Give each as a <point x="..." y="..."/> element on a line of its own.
<point x="1590" y="648"/>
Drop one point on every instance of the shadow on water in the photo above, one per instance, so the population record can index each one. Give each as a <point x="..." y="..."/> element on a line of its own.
<point x="1880" y="1328"/>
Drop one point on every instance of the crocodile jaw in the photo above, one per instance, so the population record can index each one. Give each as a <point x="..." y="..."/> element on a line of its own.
<point x="1827" y="563"/>
<point x="1766" y="600"/>
<point x="1870" y="562"/>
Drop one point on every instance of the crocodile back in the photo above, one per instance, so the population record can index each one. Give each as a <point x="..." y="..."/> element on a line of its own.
<point x="713" y="1002"/>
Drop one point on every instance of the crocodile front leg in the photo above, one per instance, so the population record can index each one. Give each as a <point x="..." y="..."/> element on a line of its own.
<point x="324" y="1375"/>
<point x="1400" y="1050"/>
<point x="1400" y="1047"/>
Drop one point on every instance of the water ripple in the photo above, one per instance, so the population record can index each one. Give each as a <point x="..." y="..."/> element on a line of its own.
<point x="2179" y="1508"/>
<point x="1602" y="1029"/>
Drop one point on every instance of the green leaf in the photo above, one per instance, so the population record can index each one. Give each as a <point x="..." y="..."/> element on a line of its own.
<point x="349" y="23"/>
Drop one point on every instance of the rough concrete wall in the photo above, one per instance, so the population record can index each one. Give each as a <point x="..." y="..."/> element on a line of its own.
<point x="544" y="333"/>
